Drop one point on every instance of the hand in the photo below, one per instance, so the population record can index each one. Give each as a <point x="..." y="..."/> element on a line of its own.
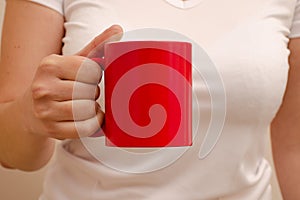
<point x="52" y="108"/>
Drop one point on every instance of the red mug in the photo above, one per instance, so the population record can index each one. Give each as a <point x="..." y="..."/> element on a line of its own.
<point x="148" y="94"/>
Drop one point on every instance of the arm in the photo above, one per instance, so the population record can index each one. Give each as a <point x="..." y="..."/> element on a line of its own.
<point x="26" y="39"/>
<point x="37" y="100"/>
<point x="285" y="130"/>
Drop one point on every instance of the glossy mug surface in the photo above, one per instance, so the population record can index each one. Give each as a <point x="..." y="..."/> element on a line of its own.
<point x="148" y="94"/>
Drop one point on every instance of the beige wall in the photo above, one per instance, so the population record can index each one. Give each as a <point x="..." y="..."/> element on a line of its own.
<point x="16" y="185"/>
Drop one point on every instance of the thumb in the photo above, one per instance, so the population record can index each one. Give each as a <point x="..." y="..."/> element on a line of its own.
<point x="95" y="47"/>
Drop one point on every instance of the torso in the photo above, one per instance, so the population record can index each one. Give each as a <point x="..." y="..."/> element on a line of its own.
<point x="247" y="42"/>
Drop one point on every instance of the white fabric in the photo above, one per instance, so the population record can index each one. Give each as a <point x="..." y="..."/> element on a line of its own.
<point x="249" y="48"/>
<point x="295" y="30"/>
<point x="184" y="4"/>
<point x="53" y="4"/>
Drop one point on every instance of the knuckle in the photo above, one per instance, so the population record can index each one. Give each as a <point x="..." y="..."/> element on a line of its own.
<point x="53" y="58"/>
<point x="40" y="115"/>
<point x="39" y="91"/>
<point x="48" y="67"/>
<point x="51" y="130"/>
<point x="50" y="63"/>
<point x="41" y="111"/>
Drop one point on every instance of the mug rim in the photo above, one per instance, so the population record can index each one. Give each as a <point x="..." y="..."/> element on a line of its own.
<point x="148" y="41"/>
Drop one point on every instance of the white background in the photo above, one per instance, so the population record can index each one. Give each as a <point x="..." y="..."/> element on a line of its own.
<point x="16" y="185"/>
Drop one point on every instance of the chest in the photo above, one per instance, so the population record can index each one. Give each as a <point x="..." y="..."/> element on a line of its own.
<point x="205" y="23"/>
<point x="247" y="41"/>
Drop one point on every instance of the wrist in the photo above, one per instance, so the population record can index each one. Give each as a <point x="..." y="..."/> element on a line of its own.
<point x="20" y="147"/>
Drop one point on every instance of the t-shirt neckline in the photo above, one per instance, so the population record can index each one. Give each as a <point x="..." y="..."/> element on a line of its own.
<point x="184" y="4"/>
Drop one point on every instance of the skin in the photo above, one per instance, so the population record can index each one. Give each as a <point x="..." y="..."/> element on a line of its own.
<point x="285" y="130"/>
<point x="36" y="85"/>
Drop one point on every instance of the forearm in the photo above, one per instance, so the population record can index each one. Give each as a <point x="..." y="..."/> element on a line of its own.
<point x="285" y="131"/>
<point x="19" y="148"/>
<point x="286" y="158"/>
<point x="26" y="40"/>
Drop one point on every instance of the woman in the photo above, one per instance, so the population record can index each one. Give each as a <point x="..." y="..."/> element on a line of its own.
<point x="250" y="47"/>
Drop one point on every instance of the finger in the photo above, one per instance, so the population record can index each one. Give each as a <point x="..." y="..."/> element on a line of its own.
<point x="78" y="129"/>
<point x="77" y="68"/>
<point x="95" y="47"/>
<point x="84" y="109"/>
<point x="89" y="72"/>
<point x="77" y="110"/>
<point x="85" y="91"/>
<point x="71" y="90"/>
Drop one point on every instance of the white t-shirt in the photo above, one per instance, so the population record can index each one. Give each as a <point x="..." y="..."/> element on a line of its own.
<point x="247" y="42"/>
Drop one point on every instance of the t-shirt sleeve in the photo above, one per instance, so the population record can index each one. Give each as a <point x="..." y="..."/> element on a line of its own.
<point x="295" y="29"/>
<point x="56" y="5"/>
<point x="84" y="20"/>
